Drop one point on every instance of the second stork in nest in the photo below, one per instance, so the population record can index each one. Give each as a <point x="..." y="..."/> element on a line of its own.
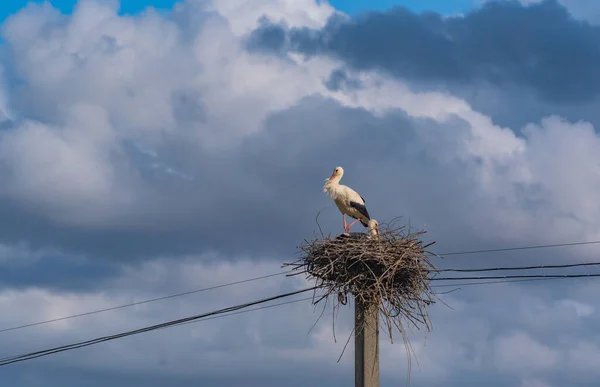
<point x="349" y="202"/>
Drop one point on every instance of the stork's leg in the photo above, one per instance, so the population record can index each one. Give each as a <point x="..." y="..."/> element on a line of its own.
<point x="345" y="225"/>
<point x="352" y="224"/>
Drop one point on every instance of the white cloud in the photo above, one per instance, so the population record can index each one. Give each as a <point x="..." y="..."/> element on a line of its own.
<point x="98" y="79"/>
<point x="244" y="15"/>
<point x="581" y="309"/>
<point x="64" y="171"/>
<point x="521" y="353"/>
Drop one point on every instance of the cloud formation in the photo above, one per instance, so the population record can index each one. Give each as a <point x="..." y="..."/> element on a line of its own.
<point x="503" y="43"/>
<point x="151" y="154"/>
<point x="184" y="138"/>
<point x="581" y="9"/>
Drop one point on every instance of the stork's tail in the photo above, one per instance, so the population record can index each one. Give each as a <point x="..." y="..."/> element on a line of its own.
<point x="363" y="223"/>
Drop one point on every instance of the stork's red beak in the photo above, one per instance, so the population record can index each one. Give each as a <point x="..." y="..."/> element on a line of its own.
<point x="332" y="176"/>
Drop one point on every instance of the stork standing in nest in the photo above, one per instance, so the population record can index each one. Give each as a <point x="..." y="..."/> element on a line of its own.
<point x="349" y="202"/>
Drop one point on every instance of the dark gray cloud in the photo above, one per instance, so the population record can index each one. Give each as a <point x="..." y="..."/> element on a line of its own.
<point x="339" y="80"/>
<point x="517" y="106"/>
<point x="263" y="196"/>
<point x="56" y="273"/>
<point x="540" y="46"/>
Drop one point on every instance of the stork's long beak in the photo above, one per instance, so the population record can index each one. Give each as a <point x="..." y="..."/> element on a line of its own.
<point x="332" y="176"/>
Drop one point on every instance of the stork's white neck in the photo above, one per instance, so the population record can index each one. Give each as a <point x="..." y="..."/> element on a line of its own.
<point x="332" y="187"/>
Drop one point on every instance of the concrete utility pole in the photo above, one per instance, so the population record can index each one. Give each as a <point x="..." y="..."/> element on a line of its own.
<point x="366" y="345"/>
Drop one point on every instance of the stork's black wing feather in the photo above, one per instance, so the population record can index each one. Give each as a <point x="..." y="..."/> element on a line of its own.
<point x="362" y="209"/>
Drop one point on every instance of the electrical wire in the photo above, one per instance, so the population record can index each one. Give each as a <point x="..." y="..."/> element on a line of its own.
<point x="518" y="248"/>
<point x="142" y="302"/>
<point x="495" y="282"/>
<point x="246" y="311"/>
<point x="520" y="267"/>
<point x="33" y="355"/>
<point x="287" y="272"/>
<point x="236" y="310"/>
<point x="591" y="275"/>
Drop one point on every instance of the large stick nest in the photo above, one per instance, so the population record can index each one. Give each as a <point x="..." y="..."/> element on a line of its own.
<point x="391" y="274"/>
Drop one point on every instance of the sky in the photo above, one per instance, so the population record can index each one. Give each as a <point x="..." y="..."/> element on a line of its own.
<point x="353" y="7"/>
<point x="148" y="153"/>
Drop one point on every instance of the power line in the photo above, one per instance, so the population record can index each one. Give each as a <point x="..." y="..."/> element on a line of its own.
<point x="519" y="248"/>
<point x="518" y="276"/>
<point x="143" y="302"/>
<point x="495" y="282"/>
<point x="235" y="310"/>
<point x="520" y="267"/>
<point x="33" y="355"/>
<point x="287" y="272"/>
<point x="247" y="310"/>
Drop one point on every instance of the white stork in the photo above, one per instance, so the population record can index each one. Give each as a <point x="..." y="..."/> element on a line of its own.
<point x="348" y="201"/>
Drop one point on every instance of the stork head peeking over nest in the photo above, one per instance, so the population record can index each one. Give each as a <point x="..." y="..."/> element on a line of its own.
<point x="374" y="229"/>
<point x="348" y="201"/>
